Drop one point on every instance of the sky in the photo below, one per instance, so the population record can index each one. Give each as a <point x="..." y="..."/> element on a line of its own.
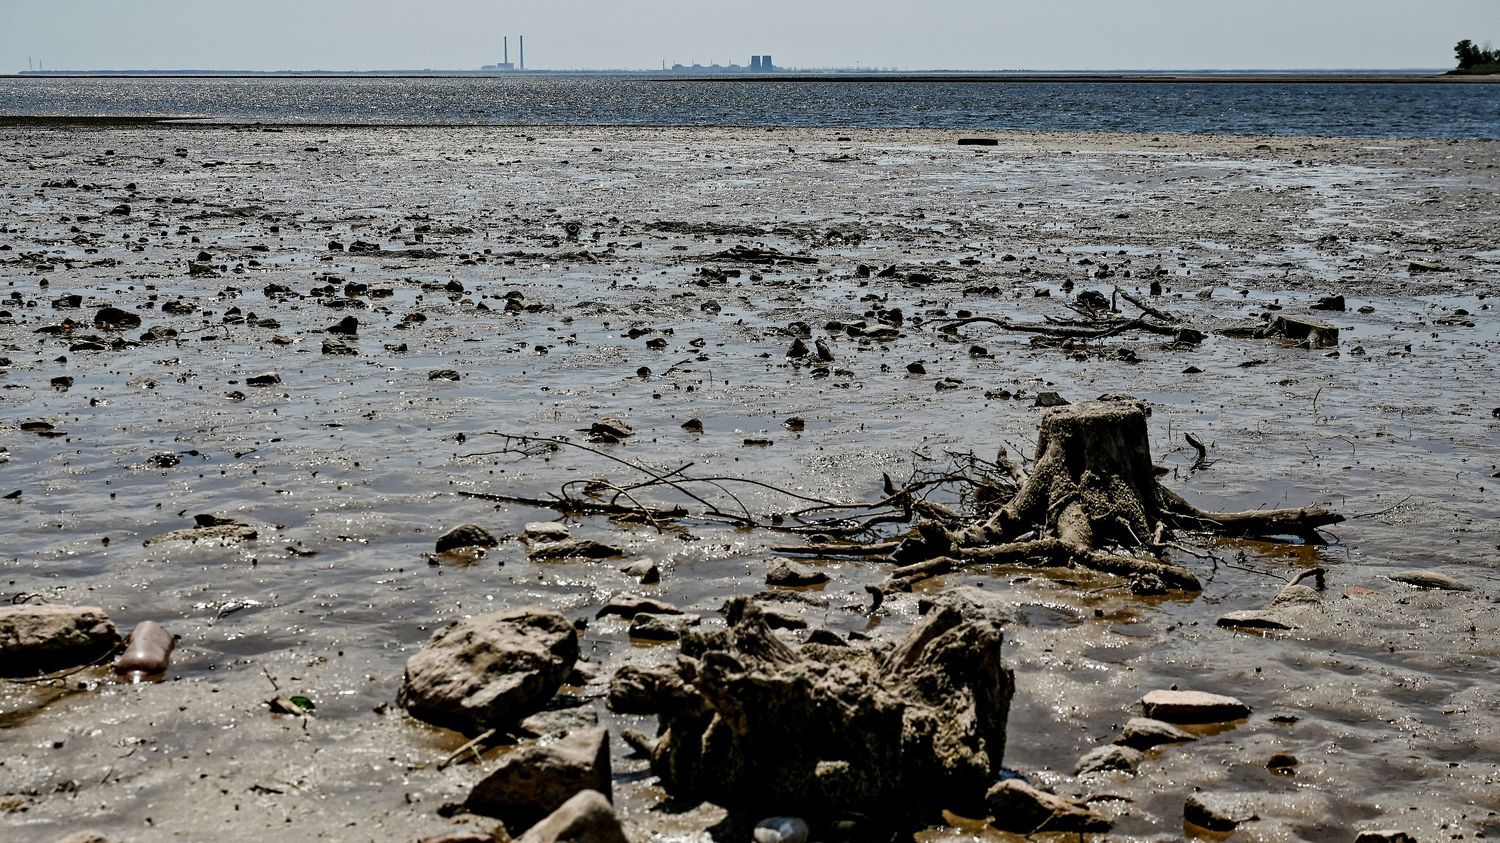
<point x="641" y="34"/>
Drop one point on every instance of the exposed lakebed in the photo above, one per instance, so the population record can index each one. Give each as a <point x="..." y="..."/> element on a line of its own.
<point x="351" y="465"/>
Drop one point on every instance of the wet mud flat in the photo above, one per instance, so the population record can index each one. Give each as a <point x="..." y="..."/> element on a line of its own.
<point x="538" y="281"/>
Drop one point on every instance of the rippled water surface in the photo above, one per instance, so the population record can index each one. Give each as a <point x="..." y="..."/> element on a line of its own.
<point x="1450" y="110"/>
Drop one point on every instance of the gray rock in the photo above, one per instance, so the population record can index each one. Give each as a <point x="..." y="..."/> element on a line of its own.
<point x="1144" y="733"/>
<point x="1023" y="809"/>
<point x="545" y="531"/>
<point x="1050" y="399"/>
<point x="86" y="837"/>
<point x="641" y="690"/>
<point x="661" y="628"/>
<point x="1428" y="579"/>
<point x="39" y="638"/>
<point x="1254" y="620"/>
<point x="263" y="379"/>
<point x="781" y="830"/>
<point x="1215" y="812"/>
<point x="465" y="535"/>
<point x="1192" y="707"/>
<point x="787" y="573"/>
<point x="559" y="722"/>
<point x="628" y="607"/>
<point x="573" y="549"/>
<point x="1384" y="835"/>
<point x="645" y="572"/>
<point x="536" y="780"/>
<point x="586" y="818"/>
<point x="223" y="534"/>
<point x="1107" y="759"/>
<point x="490" y="670"/>
<point x="115" y="319"/>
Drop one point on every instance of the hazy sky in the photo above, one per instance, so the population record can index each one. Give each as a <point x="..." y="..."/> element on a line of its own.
<point x="960" y="34"/>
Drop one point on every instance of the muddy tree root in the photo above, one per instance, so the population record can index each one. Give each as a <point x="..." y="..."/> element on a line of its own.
<point x="1092" y="501"/>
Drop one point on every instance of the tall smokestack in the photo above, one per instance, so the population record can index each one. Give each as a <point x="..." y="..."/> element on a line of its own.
<point x="506" y="60"/>
<point x="523" y="52"/>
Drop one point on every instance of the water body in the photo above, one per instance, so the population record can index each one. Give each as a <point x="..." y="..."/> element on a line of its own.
<point x="1455" y="110"/>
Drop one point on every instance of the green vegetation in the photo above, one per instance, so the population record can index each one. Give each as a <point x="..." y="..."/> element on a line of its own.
<point x="1475" y="59"/>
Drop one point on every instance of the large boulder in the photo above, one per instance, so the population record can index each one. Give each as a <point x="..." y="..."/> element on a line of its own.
<point x="38" y="638"/>
<point x="586" y="818"/>
<point x="490" y="670"/>
<point x="534" y="781"/>
<point x="762" y="729"/>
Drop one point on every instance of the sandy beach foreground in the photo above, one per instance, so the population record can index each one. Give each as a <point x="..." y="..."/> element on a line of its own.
<point x="537" y="281"/>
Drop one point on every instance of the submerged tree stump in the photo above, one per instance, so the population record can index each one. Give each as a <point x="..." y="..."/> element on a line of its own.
<point x="1092" y="501"/>
<point x="751" y="724"/>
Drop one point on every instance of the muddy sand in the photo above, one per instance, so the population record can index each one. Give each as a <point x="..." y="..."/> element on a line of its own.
<point x="1387" y="694"/>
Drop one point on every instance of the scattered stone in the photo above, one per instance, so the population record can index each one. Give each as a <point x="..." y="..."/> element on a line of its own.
<point x="609" y="430"/>
<point x="443" y="375"/>
<point x="490" y="670"/>
<point x="639" y="690"/>
<point x="1109" y="759"/>
<point x="1386" y="835"/>
<point x="629" y="607"/>
<point x="1428" y="579"/>
<point x="586" y="818"/>
<point x="115" y="319"/>
<point x="647" y="627"/>
<point x="163" y="460"/>
<point x="781" y="830"/>
<point x="573" y="549"/>
<point x="1143" y="733"/>
<point x="1050" y="399"/>
<point x="222" y="534"/>
<point x="788" y="574"/>
<point x="1254" y="620"/>
<point x="459" y="837"/>
<point x="40" y="638"/>
<point x="1192" y="707"/>
<point x="560" y="722"/>
<point x="978" y="142"/>
<point x="542" y="532"/>
<point x="339" y="348"/>
<point x="62" y="383"/>
<point x="1316" y="334"/>
<point x="266" y="379"/>
<point x="1215" y="813"/>
<point x="798" y="349"/>
<point x="645" y="572"/>
<point x="1335" y="303"/>
<point x="348" y="326"/>
<point x="693" y="426"/>
<point x="86" y="837"/>
<point x="1282" y="762"/>
<point x="536" y="780"/>
<point x="1415" y="267"/>
<point x="466" y="535"/>
<point x="1023" y="809"/>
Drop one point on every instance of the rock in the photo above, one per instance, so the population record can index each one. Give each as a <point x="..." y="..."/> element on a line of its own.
<point x="40" y="638"/>
<point x="586" y="818"/>
<point x="1023" y="809"/>
<point x="1192" y="707"/>
<point x="1143" y="733"/>
<point x="536" y="780"/>
<point x="797" y="349"/>
<point x="1415" y="267"/>
<point x="115" y="319"/>
<point x="629" y="607"/>
<point x="645" y="572"/>
<point x="460" y="837"/>
<point x="1107" y="759"/>
<point x="545" y="531"/>
<point x="223" y="534"/>
<point x="752" y="725"/>
<point x="789" y="574"/>
<point x="1386" y="835"/>
<point x="1282" y="762"/>
<point x="781" y="830"/>
<point x="339" y="348"/>
<point x="1335" y="303"/>
<point x="573" y="549"/>
<point x="1215" y="813"/>
<point x="1316" y="334"/>
<point x="1253" y="620"/>
<point x="1428" y="579"/>
<point x="640" y="690"/>
<point x="659" y="628"/>
<point x="444" y="375"/>
<point x="466" y="535"/>
<point x="490" y="670"/>
<point x="560" y="722"/>
<point x="266" y="379"/>
<point x="610" y="430"/>
<point x="348" y="326"/>
<point x="1050" y="399"/>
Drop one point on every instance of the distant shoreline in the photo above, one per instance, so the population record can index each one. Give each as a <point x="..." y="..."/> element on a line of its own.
<point x="1311" y="77"/>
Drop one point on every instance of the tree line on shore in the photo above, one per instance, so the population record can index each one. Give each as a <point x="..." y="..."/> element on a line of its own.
<point x="1473" y="58"/>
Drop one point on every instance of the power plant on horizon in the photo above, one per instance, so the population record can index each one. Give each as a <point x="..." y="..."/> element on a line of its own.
<point x="758" y="64"/>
